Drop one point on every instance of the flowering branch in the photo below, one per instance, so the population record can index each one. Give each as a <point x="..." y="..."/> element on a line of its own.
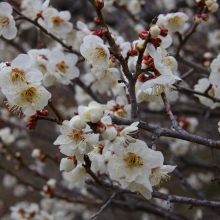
<point x="50" y="103"/>
<point x="69" y="48"/>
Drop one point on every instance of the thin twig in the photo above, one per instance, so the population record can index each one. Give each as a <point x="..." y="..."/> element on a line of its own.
<point x="105" y="205"/>
<point x="50" y="103"/>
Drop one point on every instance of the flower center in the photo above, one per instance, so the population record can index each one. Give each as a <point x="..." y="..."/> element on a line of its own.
<point x="57" y="20"/>
<point x="119" y="110"/>
<point x="176" y="22"/>
<point x="62" y="66"/>
<point x="100" y="53"/>
<point x="76" y="135"/>
<point x="4" y="21"/>
<point x="211" y="92"/>
<point x="132" y="160"/>
<point x="29" y="94"/>
<point x="17" y="75"/>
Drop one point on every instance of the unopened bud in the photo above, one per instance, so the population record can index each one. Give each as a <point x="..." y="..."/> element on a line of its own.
<point x="156" y="41"/>
<point x="36" y="153"/>
<point x="52" y="183"/>
<point x="198" y="18"/>
<point x="132" y="52"/>
<point x="205" y="17"/>
<point x="143" y="34"/>
<point x="209" y="3"/>
<point x="103" y="31"/>
<point x="213" y="8"/>
<point x="99" y="4"/>
<point x="68" y="164"/>
<point x="155" y="30"/>
<point x="100" y="127"/>
<point x="199" y="2"/>
<point x="164" y="31"/>
<point x="96" y="21"/>
<point x="140" y="46"/>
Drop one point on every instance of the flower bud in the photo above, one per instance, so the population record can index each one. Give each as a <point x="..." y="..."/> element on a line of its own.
<point x="209" y="3"/>
<point x="99" y="4"/>
<point x="67" y="164"/>
<point x="164" y="31"/>
<point x="100" y="127"/>
<point x="213" y="8"/>
<point x="96" y="21"/>
<point x="198" y="18"/>
<point x="52" y="183"/>
<point x="205" y="17"/>
<point x="155" y="30"/>
<point x="36" y="153"/>
<point x="110" y="133"/>
<point x="156" y="41"/>
<point x="143" y="34"/>
<point x="78" y="123"/>
<point x="140" y="46"/>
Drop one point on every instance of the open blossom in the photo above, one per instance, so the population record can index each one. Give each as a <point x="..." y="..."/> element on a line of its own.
<point x="132" y="167"/>
<point x="173" y="21"/>
<point x="96" y="53"/>
<point x="19" y="74"/>
<point x="202" y="86"/>
<point x="214" y="77"/>
<point x="7" y="24"/>
<point x="61" y="68"/>
<point x="29" y="99"/>
<point x="57" y="22"/>
<point x="75" y="142"/>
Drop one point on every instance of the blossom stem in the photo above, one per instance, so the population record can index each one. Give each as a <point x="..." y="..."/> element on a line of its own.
<point x="50" y="103"/>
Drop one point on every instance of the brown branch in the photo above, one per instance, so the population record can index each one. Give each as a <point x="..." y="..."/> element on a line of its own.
<point x="168" y="132"/>
<point x="115" y="51"/>
<point x="50" y="103"/>
<point x="52" y="119"/>
<point x="191" y="91"/>
<point x="175" y="124"/>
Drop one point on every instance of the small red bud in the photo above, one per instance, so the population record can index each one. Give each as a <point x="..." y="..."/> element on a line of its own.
<point x="164" y="31"/>
<point x="205" y="17"/>
<point x="99" y="4"/>
<point x="143" y="34"/>
<point x="42" y="158"/>
<point x="96" y="21"/>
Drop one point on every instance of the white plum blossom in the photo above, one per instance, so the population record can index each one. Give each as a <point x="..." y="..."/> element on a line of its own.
<point x="93" y="113"/>
<point x="29" y="99"/>
<point x="6" y="136"/>
<point x="214" y="77"/>
<point x="75" y="142"/>
<point x="132" y="167"/>
<point x="95" y="52"/>
<point x="67" y="164"/>
<point x="202" y="86"/>
<point x="19" y="74"/>
<point x="149" y="87"/>
<point x="7" y="24"/>
<point x="174" y="22"/>
<point x="57" y="22"/>
<point x="61" y="68"/>
<point x="76" y="177"/>
<point x="119" y="107"/>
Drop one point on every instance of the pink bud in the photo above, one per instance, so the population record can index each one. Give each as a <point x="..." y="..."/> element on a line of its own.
<point x="99" y="4"/>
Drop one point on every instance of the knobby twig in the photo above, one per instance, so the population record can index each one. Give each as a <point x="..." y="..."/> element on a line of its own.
<point x="52" y="119"/>
<point x="175" y="124"/>
<point x="156" y="194"/>
<point x="168" y="132"/>
<point x="186" y="90"/>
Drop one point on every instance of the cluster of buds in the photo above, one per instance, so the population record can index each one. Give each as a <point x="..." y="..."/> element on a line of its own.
<point x="148" y="61"/>
<point x="183" y="122"/>
<point x="201" y="17"/>
<point x="101" y="32"/>
<point x="154" y="32"/>
<point x="32" y="120"/>
<point x="21" y="214"/>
